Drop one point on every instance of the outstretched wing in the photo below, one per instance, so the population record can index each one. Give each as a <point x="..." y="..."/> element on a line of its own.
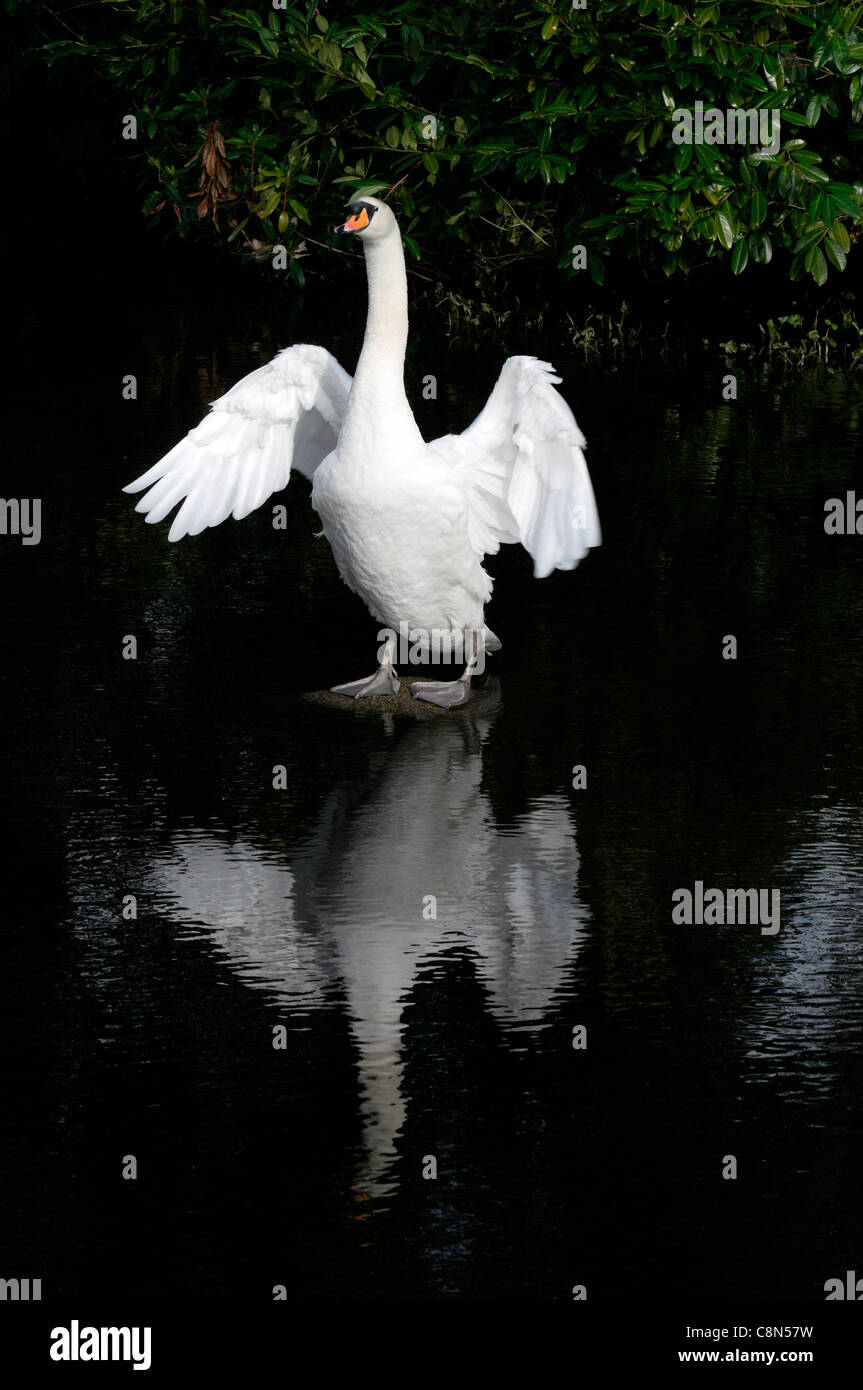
<point x="524" y="472"/>
<point x="286" y="414"/>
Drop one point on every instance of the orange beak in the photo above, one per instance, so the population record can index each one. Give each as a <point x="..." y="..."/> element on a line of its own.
<point x="357" y="222"/>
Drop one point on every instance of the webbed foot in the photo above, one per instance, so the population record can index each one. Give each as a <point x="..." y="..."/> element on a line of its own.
<point x="383" y="682"/>
<point x="446" y="694"/>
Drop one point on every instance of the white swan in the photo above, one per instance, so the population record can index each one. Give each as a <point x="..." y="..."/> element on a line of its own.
<point x="409" y="522"/>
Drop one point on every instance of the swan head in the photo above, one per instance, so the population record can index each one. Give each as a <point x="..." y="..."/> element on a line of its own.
<point x="370" y="220"/>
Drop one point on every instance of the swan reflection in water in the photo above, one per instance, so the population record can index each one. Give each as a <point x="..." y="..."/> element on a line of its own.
<point x="353" y="906"/>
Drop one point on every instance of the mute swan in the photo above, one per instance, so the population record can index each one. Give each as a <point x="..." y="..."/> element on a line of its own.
<point x="408" y="522"/>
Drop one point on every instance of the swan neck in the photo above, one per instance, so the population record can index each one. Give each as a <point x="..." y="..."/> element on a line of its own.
<point x="382" y="358"/>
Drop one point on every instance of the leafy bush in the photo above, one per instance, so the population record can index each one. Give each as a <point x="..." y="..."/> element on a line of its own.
<point x="510" y="133"/>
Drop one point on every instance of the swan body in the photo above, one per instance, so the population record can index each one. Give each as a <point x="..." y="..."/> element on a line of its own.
<point x="409" y="522"/>
<point x="401" y="541"/>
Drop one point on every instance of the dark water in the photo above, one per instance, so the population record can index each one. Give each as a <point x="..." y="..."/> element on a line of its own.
<point x="408" y="1037"/>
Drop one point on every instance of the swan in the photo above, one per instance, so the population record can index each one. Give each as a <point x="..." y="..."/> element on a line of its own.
<point x="409" y="522"/>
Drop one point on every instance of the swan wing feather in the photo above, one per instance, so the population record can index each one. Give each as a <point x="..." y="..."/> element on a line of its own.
<point x="284" y="415"/>
<point x="524" y="471"/>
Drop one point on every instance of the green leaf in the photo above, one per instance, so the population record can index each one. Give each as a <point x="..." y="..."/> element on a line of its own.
<point x="844" y="197"/>
<point x="834" y="252"/>
<point x="757" y="208"/>
<point x="812" y="235"/>
<point x="549" y="28"/>
<point x="363" y="190"/>
<point x="816" y="264"/>
<point x="773" y="71"/>
<point x="269" y="204"/>
<point x="371" y="26"/>
<point x="761" y="247"/>
<point x="724" y="229"/>
<point x="299" y="210"/>
<point x="596" y="268"/>
<point x="331" y="54"/>
<point x="811" y="173"/>
<point x="739" y="256"/>
<point x="707" y="158"/>
<point x="786" y="182"/>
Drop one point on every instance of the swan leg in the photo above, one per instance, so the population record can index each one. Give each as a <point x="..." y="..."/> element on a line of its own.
<point x="448" y="694"/>
<point x="383" y="682"/>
